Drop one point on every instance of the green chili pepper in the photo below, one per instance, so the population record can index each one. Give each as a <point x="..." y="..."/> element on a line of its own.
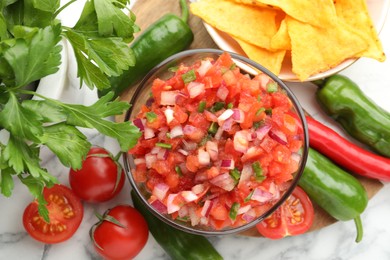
<point x="336" y="191"/>
<point x="168" y="35"/>
<point x="344" y="101"/>
<point x="176" y="243"/>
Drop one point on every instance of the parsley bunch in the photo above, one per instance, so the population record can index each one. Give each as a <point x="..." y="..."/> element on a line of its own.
<point x="30" y="36"/>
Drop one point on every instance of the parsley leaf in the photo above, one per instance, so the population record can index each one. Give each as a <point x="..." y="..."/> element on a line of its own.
<point x="25" y="56"/>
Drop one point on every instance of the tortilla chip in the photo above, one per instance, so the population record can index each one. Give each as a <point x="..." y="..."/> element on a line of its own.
<point x="281" y="40"/>
<point x="247" y="23"/>
<point x="319" y="13"/>
<point x="315" y="49"/>
<point x="355" y="13"/>
<point x="272" y="60"/>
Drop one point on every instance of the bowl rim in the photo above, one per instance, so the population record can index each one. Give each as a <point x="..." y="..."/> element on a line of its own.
<point x="285" y="195"/>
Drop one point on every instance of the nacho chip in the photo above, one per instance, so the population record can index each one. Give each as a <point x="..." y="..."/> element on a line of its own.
<point x="315" y="49"/>
<point x="355" y="13"/>
<point x="247" y="23"/>
<point x="272" y="60"/>
<point x="281" y="40"/>
<point x="319" y="13"/>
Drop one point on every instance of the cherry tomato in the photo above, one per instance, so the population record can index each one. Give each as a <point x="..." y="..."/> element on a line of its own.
<point x="100" y="178"/>
<point x="65" y="213"/>
<point x="295" y="216"/>
<point x="121" y="234"/>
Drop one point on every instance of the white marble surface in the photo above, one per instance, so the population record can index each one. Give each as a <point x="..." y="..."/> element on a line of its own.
<point x="333" y="242"/>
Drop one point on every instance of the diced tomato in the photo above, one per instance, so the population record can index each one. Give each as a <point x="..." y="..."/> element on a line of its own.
<point x="219" y="212"/>
<point x="192" y="163"/>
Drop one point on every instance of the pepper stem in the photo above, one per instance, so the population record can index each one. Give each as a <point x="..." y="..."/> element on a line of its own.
<point x="185" y="13"/>
<point x="359" y="229"/>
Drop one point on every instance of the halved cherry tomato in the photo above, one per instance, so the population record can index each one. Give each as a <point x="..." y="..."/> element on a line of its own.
<point x="65" y="213"/>
<point x="295" y="216"/>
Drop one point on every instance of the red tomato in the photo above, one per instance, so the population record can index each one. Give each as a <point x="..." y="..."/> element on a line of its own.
<point x="65" y="213"/>
<point x="122" y="240"/>
<point x="100" y="178"/>
<point x="295" y="216"/>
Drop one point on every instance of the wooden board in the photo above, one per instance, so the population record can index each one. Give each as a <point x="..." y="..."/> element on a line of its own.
<point x="149" y="11"/>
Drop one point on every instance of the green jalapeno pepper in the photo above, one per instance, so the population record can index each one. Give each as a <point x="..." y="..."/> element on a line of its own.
<point x="344" y="101"/>
<point x="333" y="189"/>
<point x="176" y="243"/>
<point x="166" y="36"/>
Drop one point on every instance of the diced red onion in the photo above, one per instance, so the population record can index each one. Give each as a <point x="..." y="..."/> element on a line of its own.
<point x="198" y="188"/>
<point x="244" y="209"/>
<point x="218" y="134"/>
<point x="222" y="92"/>
<point x="148" y="133"/>
<point x="183" y="152"/>
<point x="228" y="164"/>
<point x="149" y="102"/>
<point x="159" y="206"/>
<point x="188" y="195"/>
<point x="155" y="150"/>
<point x="251" y="136"/>
<point x="261" y="195"/>
<point x="138" y="161"/>
<point x="205" y="65"/>
<point x="249" y="215"/>
<point x="225" y="115"/>
<point x="150" y="159"/>
<point x="195" y="219"/>
<point x="238" y="115"/>
<point x="278" y="136"/>
<point x="227" y="124"/>
<point x="223" y="181"/>
<point x="189" y="146"/>
<point x="264" y="79"/>
<point x="168" y="98"/>
<point x="160" y="190"/>
<point x="274" y="190"/>
<point x="212" y="149"/>
<point x="296" y="157"/>
<point x="163" y="154"/>
<point x="138" y="123"/>
<point x="203" y="157"/>
<point x="169" y="114"/>
<point x="195" y="89"/>
<point x="208" y="204"/>
<point x="172" y="206"/>
<point x="262" y="131"/>
<point x="240" y="141"/>
<point x="189" y="129"/>
<point x="176" y="131"/>
<point x="183" y="211"/>
<point x="246" y="174"/>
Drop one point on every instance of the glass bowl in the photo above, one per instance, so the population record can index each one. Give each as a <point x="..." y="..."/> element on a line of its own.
<point x="196" y="217"/>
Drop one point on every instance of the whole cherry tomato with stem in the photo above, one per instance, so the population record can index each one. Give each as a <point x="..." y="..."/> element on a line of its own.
<point x="100" y="178"/>
<point x="121" y="233"/>
<point x="65" y="215"/>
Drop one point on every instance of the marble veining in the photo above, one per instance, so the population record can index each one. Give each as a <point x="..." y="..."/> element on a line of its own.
<point x="335" y="242"/>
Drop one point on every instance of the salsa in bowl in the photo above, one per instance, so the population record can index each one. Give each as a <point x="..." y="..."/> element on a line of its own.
<point x="224" y="142"/>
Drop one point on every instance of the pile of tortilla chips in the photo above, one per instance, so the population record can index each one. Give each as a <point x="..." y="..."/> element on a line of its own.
<point x="316" y="35"/>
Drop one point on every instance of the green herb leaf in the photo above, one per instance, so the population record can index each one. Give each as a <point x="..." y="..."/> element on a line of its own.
<point x="6" y="181"/>
<point x="25" y="56"/>
<point x="112" y="20"/>
<point x="20" y="121"/>
<point x="189" y="76"/>
<point x="68" y="143"/>
<point x="47" y="5"/>
<point x="151" y="116"/>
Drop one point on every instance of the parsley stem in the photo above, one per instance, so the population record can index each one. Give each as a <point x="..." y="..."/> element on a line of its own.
<point x="63" y="7"/>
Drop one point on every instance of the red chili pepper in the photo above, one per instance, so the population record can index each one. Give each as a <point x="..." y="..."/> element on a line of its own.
<point x="347" y="154"/>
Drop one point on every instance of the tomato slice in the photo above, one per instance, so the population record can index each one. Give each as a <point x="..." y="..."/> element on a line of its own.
<point x="295" y="216"/>
<point x="65" y="213"/>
